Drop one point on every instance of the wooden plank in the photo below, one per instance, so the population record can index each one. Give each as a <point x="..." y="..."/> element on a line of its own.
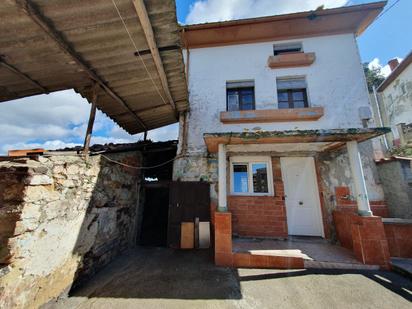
<point x="187" y="235"/>
<point x="204" y="235"/>
<point x="25" y="152"/>
<point x="91" y="122"/>
<point x="151" y="41"/>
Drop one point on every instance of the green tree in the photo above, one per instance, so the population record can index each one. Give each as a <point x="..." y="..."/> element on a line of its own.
<point x="373" y="76"/>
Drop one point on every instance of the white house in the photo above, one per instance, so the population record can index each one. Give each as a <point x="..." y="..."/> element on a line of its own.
<point x="395" y="102"/>
<point x="277" y="107"/>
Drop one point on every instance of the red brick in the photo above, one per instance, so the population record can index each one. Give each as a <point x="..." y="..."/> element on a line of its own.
<point x="259" y="261"/>
<point x="224" y="259"/>
<point x="241" y="259"/>
<point x="223" y="242"/>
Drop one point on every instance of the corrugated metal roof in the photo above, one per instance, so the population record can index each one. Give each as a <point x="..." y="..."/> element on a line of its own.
<point x="96" y="35"/>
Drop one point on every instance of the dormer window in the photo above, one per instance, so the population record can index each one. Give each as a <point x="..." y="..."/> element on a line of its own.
<point x="240" y="95"/>
<point x="292" y="93"/>
<point x="287" y="48"/>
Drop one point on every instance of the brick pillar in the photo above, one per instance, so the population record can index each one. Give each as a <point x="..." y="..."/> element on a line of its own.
<point x="370" y="244"/>
<point x="223" y="239"/>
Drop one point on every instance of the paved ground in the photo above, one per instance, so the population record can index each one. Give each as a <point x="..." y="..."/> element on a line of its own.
<point x="402" y="266"/>
<point x="163" y="278"/>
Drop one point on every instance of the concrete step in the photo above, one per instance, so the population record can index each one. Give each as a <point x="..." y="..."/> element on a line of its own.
<point x="336" y="265"/>
<point x="402" y="266"/>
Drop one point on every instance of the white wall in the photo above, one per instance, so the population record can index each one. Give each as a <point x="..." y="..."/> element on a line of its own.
<point x="398" y="99"/>
<point x="335" y="81"/>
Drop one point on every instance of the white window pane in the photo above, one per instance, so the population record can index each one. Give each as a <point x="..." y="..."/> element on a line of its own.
<point x="260" y="178"/>
<point x="233" y="102"/>
<point x="240" y="178"/>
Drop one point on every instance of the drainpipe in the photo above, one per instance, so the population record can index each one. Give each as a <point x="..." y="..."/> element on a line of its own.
<point x="375" y="95"/>
<point x="222" y="198"/>
<point x="362" y="198"/>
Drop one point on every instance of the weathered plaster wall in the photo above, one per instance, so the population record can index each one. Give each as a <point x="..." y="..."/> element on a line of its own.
<point x="66" y="219"/>
<point x="397" y="98"/>
<point x="335" y="172"/>
<point x="335" y="81"/>
<point x="398" y="192"/>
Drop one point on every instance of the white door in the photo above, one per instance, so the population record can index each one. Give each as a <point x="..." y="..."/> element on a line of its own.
<point x="301" y="196"/>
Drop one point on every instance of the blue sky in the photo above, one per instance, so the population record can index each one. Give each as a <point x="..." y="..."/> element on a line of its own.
<point x="60" y="119"/>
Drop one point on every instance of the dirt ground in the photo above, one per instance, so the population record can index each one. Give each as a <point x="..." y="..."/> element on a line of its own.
<point x="164" y="278"/>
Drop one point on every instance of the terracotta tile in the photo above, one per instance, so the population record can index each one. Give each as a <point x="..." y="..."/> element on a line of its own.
<point x="241" y="259"/>
<point x="223" y="243"/>
<point x="404" y="247"/>
<point x="373" y="252"/>
<point x="259" y="261"/>
<point x="224" y="259"/>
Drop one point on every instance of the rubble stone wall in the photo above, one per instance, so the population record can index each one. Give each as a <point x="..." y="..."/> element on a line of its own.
<point x="61" y="220"/>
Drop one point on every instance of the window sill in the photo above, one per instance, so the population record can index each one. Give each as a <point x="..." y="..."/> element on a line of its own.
<point x="251" y="194"/>
<point x="272" y="115"/>
<point x="291" y="60"/>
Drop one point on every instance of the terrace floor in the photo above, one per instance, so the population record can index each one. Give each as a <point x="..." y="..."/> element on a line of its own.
<point x="316" y="252"/>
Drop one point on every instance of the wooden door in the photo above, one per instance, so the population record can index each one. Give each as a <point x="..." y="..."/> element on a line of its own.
<point x="187" y="201"/>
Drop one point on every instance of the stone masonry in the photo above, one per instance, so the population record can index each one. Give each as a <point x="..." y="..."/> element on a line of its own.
<point x="61" y="220"/>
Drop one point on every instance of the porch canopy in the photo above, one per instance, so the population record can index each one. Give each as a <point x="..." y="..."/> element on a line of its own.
<point x="130" y="49"/>
<point x="290" y="141"/>
<point x="295" y="141"/>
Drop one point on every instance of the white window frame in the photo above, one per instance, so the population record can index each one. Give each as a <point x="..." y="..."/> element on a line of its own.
<point x="249" y="160"/>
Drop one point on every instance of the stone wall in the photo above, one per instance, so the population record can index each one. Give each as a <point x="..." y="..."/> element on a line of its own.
<point x="61" y="220"/>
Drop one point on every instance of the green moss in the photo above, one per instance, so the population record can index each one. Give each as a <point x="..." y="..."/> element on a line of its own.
<point x="405" y="151"/>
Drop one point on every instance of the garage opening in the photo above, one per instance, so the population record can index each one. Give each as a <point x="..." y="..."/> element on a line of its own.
<point x="155" y="216"/>
<point x="155" y="193"/>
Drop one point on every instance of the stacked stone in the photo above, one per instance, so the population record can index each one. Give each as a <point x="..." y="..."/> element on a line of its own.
<point x="61" y="219"/>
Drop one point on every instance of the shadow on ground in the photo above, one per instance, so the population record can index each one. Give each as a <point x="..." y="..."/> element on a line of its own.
<point x="163" y="273"/>
<point x="160" y="273"/>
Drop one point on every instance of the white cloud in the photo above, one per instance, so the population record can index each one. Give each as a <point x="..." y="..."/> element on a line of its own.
<point x="165" y="133"/>
<point x="385" y="70"/>
<point x="59" y="120"/>
<point x="219" y="10"/>
<point x="50" y="145"/>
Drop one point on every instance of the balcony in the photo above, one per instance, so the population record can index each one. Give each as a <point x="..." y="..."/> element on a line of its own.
<point x="291" y="60"/>
<point x="272" y="115"/>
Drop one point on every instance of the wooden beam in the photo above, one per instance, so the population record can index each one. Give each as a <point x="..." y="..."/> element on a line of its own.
<point x="151" y="41"/>
<point x="91" y="122"/>
<point x="24" y="76"/>
<point x="42" y="21"/>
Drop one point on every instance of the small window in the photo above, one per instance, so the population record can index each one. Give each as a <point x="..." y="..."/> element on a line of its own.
<point x="240" y="96"/>
<point x="240" y="178"/>
<point x="279" y="49"/>
<point x="292" y="93"/>
<point x="250" y="176"/>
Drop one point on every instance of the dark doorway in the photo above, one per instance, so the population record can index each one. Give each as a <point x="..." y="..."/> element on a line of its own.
<point x="155" y="216"/>
<point x="188" y="200"/>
